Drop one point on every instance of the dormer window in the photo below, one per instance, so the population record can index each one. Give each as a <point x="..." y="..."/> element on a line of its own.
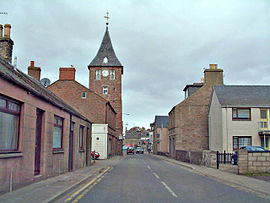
<point x="105" y="60"/>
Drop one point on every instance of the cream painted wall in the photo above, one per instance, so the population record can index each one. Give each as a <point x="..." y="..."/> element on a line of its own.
<point x="232" y="128"/>
<point x="215" y="125"/>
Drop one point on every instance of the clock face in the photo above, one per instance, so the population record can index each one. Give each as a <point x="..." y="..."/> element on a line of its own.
<point x="105" y="73"/>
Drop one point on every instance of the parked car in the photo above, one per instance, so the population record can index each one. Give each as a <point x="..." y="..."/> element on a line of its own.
<point x="130" y="150"/>
<point x="234" y="158"/>
<point x="97" y="155"/>
<point x="125" y="147"/>
<point x="139" y="150"/>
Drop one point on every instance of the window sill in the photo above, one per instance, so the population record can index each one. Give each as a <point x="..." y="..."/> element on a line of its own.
<point x="11" y="155"/>
<point x="58" y="151"/>
<point x="81" y="150"/>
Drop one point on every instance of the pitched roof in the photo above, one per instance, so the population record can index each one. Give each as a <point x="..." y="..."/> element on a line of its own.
<point x="26" y="82"/>
<point x="105" y="56"/>
<point x="162" y="121"/>
<point x="243" y="95"/>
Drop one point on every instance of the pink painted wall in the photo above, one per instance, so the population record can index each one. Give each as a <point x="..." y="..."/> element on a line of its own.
<point x="22" y="163"/>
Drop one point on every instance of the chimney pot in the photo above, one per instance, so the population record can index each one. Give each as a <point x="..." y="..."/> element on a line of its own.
<point x="32" y="63"/>
<point x="213" y="66"/>
<point x="1" y="30"/>
<point x="7" y="28"/>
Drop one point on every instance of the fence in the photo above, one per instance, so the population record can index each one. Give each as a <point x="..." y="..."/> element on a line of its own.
<point x="223" y="158"/>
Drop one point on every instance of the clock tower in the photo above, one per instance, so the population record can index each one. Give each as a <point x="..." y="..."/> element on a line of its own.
<point x="105" y="78"/>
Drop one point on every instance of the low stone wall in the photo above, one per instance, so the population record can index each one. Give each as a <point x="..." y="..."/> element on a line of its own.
<point x="193" y="157"/>
<point x="163" y="154"/>
<point x="209" y="158"/>
<point x="253" y="162"/>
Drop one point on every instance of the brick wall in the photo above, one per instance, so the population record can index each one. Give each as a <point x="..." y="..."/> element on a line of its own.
<point x="114" y="91"/>
<point x="253" y="162"/>
<point x="92" y="107"/>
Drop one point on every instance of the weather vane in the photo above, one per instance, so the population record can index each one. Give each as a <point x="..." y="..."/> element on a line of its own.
<point x="107" y="17"/>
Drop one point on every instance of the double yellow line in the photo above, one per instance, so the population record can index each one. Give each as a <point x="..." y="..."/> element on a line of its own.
<point x="81" y="192"/>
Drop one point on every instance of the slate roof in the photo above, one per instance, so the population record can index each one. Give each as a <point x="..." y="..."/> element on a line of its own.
<point x="243" y="95"/>
<point x="31" y="85"/>
<point x="162" y="121"/>
<point x="105" y="51"/>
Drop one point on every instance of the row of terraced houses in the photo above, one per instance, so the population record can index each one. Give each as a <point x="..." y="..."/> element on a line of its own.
<point x="49" y="129"/>
<point x="214" y="117"/>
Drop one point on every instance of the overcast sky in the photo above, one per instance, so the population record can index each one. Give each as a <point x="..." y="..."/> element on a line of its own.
<point x="163" y="45"/>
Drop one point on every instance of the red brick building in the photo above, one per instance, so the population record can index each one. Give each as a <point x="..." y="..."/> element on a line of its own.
<point x="40" y="135"/>
<point x="188" y="121"/>
<point x="88" y="103"/>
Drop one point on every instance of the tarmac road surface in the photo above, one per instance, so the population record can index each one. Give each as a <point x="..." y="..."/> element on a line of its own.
<point x="144" y="178"/>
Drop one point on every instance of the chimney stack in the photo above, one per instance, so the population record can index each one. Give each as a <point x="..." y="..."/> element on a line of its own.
<point x="34" y="71"/>
<point x="67" y="73"/>
<point x="213" y="75"/>
<point x="6" y="44"/>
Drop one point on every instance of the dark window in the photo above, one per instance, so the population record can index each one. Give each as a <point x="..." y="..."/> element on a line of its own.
<point x="157" y="135"/>
<point x="58" y="133"/>
<point x="83" y="95"/>
<point x="81" y="137"/>
<point x="9" y="124"/>
<point x="239" y="142"/>
<point x="241" y="114"/>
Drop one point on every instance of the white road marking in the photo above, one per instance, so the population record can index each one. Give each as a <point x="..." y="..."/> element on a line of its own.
<point x="148" y="167"/>
<point x="156" y="175"/>
<point x="169" y="189"/>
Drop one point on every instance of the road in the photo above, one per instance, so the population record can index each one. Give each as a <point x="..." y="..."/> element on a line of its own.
<point x="144" y="178"/>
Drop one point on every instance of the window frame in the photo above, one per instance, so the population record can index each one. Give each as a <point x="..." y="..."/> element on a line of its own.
<point x="84" y="95"/>
<point x="250" y="137"/>
<point x="62" y="132"/>
<point x="103" y="88"/>
<point x="241" y="119"/>
<point x="98" y="74"/>
<point x="15" y="113"/>
<point x="81" y="137"/>
<point x="112" y="74"/>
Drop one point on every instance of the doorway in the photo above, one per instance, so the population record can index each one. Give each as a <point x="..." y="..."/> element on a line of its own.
<point x="39" y="115"/>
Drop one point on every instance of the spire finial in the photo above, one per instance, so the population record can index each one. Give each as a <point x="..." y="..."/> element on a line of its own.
<point x="107" y="17"/>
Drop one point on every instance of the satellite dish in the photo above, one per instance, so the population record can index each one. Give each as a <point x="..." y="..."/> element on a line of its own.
<point x="45" y="82"/>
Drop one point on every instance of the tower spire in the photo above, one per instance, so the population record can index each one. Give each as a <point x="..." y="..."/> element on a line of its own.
<point x="107" y="18"/>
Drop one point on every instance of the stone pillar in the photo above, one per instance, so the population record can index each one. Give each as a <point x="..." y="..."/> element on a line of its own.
<point x="242" y="161"/>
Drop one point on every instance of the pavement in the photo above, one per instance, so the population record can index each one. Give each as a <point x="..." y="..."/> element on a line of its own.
<point x="51" y="189"/>
<point x="259" y="187"/>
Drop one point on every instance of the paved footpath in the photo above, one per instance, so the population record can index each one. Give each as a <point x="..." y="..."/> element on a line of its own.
<point x="54" y="188"/>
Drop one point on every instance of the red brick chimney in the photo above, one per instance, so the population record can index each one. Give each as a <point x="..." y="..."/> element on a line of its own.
<point x="67" y="73"/>
<point x="34" y="71"/>
<point x="213" y="75"/>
